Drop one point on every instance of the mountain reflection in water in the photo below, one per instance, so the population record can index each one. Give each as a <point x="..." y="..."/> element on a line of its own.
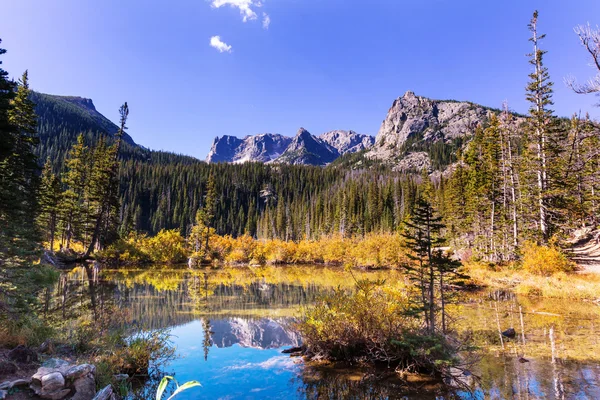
<point x="229" y="326"/>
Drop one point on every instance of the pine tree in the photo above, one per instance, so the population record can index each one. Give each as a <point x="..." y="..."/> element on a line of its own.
<point x="542" y="125"/>
<point x="19" y="170"/>
<point x="104" y="189"/>
<point x="433" y="267"/>
<point x="49" y="200"/>
<point x="73" y="207"/>
<point x="7" y="88"/>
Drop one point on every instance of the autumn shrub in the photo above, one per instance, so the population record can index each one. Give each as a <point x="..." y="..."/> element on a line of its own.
<point x="242" y="250"/>
<point x="219" y="247"/>
<point x="279" y="251"/>
<point x="127" y="251"/>
<point x="168" y="246"/>
<point x="335" y="249"/>
<point x="309" y="251"/>
<point x="545" y="260"/>
<point x="375" y="324"/>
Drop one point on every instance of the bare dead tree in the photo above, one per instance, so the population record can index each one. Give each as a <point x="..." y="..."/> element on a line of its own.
<point x="590" y="39"/>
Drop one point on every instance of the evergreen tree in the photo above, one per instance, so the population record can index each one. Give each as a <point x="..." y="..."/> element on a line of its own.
<point x="49" y="200"/>
<point x="543" y="131"/>
<point x="434" y="270"/>
<point x="19" y="170"/>
<point x="73" y="206"/>
<point x="104" y="188"/>
<point x="6" y="95"/>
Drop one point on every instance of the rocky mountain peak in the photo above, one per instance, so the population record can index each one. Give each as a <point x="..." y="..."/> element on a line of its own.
<point x="415" y="121"/>
<point x="308" y="149"/>
<point x="81" y="102"/>
<point x="347" y="141"/>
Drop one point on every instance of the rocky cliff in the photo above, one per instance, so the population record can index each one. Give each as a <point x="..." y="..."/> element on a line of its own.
<point x="304" y="148"/>
<point x="260" y="148"/>
<point x="347" y="141"/>
<point x="307" y="149"/>
<point x="261" y="334"/>
<point x="414" y="123"/>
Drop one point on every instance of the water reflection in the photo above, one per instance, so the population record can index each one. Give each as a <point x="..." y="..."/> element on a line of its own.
<point x="230" y="324"/>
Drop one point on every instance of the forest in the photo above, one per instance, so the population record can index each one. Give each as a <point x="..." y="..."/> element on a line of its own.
<point x="508" y="199"/>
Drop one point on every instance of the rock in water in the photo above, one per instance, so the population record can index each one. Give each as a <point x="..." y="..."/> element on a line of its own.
<point x="509" y="333"/>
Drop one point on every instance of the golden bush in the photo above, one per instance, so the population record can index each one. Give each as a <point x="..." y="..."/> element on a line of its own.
<point x="545" y="260"/>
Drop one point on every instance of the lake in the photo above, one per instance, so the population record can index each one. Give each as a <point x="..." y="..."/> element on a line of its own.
<point x="230" y="325"/>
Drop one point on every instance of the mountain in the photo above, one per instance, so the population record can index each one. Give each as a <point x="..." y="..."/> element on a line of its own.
<point x="262" y="148"/>
<point x="419" y="132"/>
<point x="347" y="141"/>
<point x="79" y="112"/>
<point x="62" y="118"/>
<point x="306" y="149"/>
<point x="261" y="334"/>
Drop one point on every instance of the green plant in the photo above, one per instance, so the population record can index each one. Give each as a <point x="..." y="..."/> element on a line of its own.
<point x="165" y="381"/>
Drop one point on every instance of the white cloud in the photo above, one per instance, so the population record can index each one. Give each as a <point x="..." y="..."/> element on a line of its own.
<point x="277" y="363"/>
<point x="266" y="21"/>
<point x="221" y="46"/>
<point x="245" y="7"/>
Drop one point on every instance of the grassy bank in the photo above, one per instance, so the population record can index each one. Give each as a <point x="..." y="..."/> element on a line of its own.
<point x="564" y="285"/>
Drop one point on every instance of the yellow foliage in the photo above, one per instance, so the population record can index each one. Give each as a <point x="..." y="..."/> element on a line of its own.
<point x="168" y="247"/>
<point x="545" y="260"/>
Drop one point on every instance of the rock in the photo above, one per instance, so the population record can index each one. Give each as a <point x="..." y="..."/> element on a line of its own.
<point x="347" y="141"/>
<point x="3" y="394"/>
<point x="53" y="381"/>
<point x="414" y="122"/>
<point x="55" y="363"/>
<point x="292" y="350"/>
<point x="47" y="347"/>
<point x="78" y="371"/>
<point x="105" y="394"/>
<point x="56" y="395"/>
<point x="257" y="148"/>
<point x="85" y="387"/>
<point x="120" y="377"/>
<point x="16" y="383"/>
<point x="22" y="354"/>
<point x="417" y="161"/>
<point x="509" y="333"/>
<point x="7" y="368"/>
<point x="306" y="149"/>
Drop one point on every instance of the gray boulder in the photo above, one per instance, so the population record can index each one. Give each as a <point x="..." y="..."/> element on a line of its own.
<point x="105" y="394"/>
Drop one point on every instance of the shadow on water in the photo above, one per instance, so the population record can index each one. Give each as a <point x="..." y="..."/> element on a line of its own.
<point x="229" y="326"/>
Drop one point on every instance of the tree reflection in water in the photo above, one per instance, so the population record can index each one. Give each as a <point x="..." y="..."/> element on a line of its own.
<point x="253" y="307"/>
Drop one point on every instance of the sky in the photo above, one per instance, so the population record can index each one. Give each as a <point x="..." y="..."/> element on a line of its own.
<point x="191" y="70"/>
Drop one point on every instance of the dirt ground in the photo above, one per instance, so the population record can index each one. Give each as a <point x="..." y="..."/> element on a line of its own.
<point x="24" y="371"/>
<point x="586" y="253"/>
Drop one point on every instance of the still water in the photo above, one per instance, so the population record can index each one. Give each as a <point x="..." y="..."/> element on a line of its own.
<point x="229" y="326"/>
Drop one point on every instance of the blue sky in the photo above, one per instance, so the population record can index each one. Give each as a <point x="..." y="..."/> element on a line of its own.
<point x="320" y="64"/>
